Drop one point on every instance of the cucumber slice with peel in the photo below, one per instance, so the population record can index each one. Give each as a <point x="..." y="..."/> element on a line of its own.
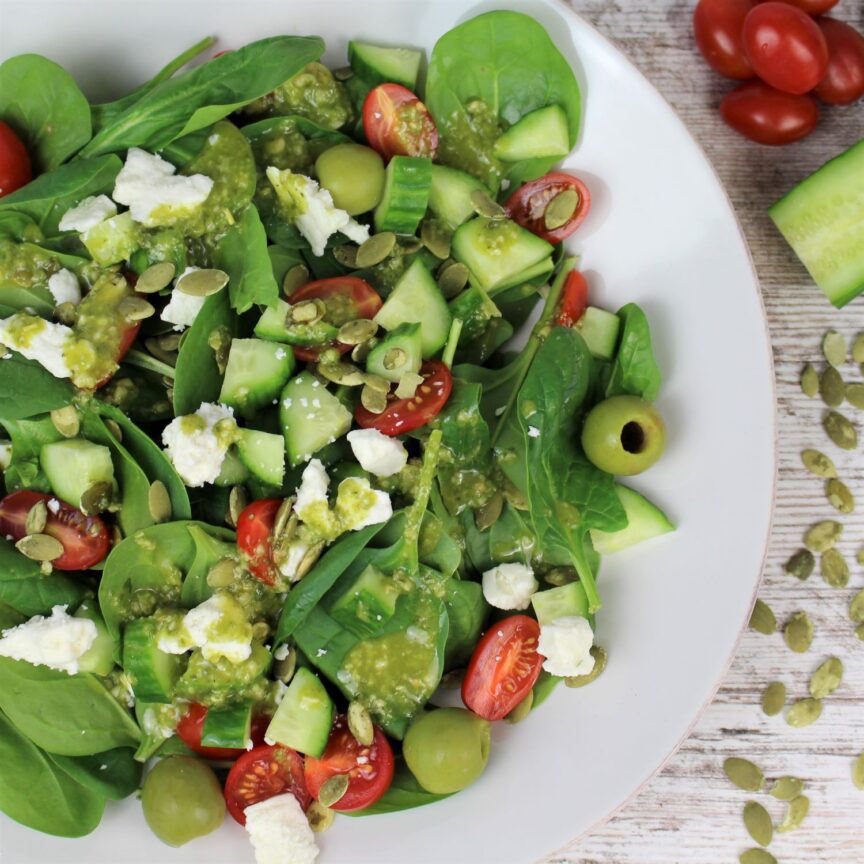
<point x="542" y="133"/>
<point x="407" y="340"/>
<point x="255" y="374"/>
<point x="311" y="417"/>
<point x="560" y="602"/>
<point x="304" y="716"/>
<point x="263" y="453"/>
<point x="407" y="180"/>
<point x="227" y="727"/>
<point x="74" y="465"/>
<point x="644" y="521"/>
<point x="152" y="672"/>
<point x="378" y="65"/>
<point x="599" y="329"/>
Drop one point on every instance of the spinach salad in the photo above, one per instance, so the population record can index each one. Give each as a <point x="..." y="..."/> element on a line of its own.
<point x="275" y="474"/>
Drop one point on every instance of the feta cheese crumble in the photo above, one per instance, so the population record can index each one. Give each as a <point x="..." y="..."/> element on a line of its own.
<point x="313" y="487"/>
<point x="219" y="627"/>
<point x="292" y="560"/>
<point x="194" y="444"/>
<point x="64" y="287"/>
<point x="39" y="340"/>
<point x="280" y="832"/>
<point x="377" y="453"/>
<point x="359" y="505"/>
<point x="182" y="309"/>
<point x="88" y="213"/>
<point x="58" y="642"/>
<point x="509" y="586"/>
<point x="566" y="644"/>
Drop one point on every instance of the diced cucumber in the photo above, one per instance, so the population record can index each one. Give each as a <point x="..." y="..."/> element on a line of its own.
<point x="542" y="133"/>
<point x="227" y="727"/>
<point x="450" y="195"/>
<point x="263" y="453"/>
<point x="406" y="194"/>
<point x="407" y="339"/>
<point x="378" y="65"/>
<point x="233" y="470"/>
<point x="255" y="374"/>
<point x="822" y="219"/>
<point x="99" y="658"/>
<point x="113" y="240"/>
<point x="304" y="716"/>
<point x="311" y="417"/>
<point x="152" y="672"/>
<point x="499" y="253"/>
<point x="599" y="329"/>
<point x="371" y="598"/>
<point x="644" y="521"/>
<point x="417" y="299"/>
<point x="273" y="326"/>
<point x="475" y="310"/>
<point x="72" y="466"/>
<point x="569" y="599"/>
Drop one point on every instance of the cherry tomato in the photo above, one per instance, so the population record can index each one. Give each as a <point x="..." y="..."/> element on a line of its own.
<point x="527" y="205"/>
<point x="346" y="298"/>
<point x="813" y="7"/>
<point x="397" y="123"/>
<point x="191" y="727"/>
<point x="717" y="26"/>
<point x="255" y="538"/>
<point x="844" y="81"/>
<point x="262" y="773"/>
<point x="15" y="169"/>
<point x="127" y="340"/>
<point x="405" y="415"/>
<point x="574" y="299"/>
<point x="769" y="116"/>
<point x="503" y="668"/>
<point x="785" y="47"/>
<point x="85" y="539"/>
<point x="369" y="769"/>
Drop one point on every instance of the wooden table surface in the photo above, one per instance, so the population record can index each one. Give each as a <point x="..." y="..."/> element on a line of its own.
<point x="690" y="813"/>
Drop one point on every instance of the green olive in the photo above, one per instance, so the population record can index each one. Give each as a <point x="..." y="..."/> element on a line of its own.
<point x="182" y="800"/>
<point x="624" y="435"/>
<point x="447" y="749"/>
<point x="353" y="175"/>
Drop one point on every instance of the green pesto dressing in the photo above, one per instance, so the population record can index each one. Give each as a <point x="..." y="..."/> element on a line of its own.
<point x="220" y="682"/>
<point x="24" y="265"/>
<point x="466" y="141"/>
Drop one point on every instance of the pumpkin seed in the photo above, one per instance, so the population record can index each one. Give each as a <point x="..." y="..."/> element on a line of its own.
<point x="804" y="712"/>
<point x="744" y="774"/>
<point x="375" y="250"/>
<point x="839" y="495"/>
<point x="522" y="710"/>
<point x="219" y="341"/>
<point x="237" y="501"/>
<point x="859" y="632"/>
<point x="40" y="547"/>
<point x="855" y="395"/>
<point x="135" y="308"/>
<point x="786" y="788"/>
<point x="307" y="312"/>
<point x="202" y="283"/>
<point x="360" y="724"/>
<point x="309" y="560"/>
<point x="801" y="564"/>
<point x="155" y="278"/>
<point x="858" y="772"/>
<point x="332" y="789"/>
<point x="762" y="619"/>
<point x="774" y="698"/>
<point x="600" y="658"/>
<point x="559" y="576"/>
<point x="283" y="517"/>
<point x="858" y="348"/>
<point x="360" y="352"/>
<point x="159" y="501"/>
<point x="809" y="381"/>
<point x="37" y="517"/>
<point x="97" y="498"/>
<point x="114" y="428"/>
<point x="486" y="206"/>
<point x="376" y="382"/>
<point x="357" y="331"/>
<point x="452" y="278"/>
<point x="409" y="244"/>
<point x="818" y="463"/>
<point x="758" y="823"/>
<point x="823" y="535"/>
<point x="407" y="386"/>
<point x="757" y="856"/>
<point x="827" y="678"/>
<point x="341" y="373"/>
<point x="286" y="667"/>
<point x="831" y="388"/>
<point x="395" y="358"/>
<point x="856" y="607"/>
<point x="798" y="632"/>
<point x="153" y="346"/>
<point x="373" y="400"/>
<point x="221" y="574"/>
<point x="796" y="813"/>
<point x="840" y="430"/>
<point x="834" y="569"/>
<point x="559" y="211"/>
<point x="295" y="277"/>
<point x="487" y="515"/>
<point x="320" y="817"/>
<point x="329" y="356"/>
<point x="343" y="73"/>
<point x="260" y="631"/>
<point x="66" y="421"/>
<point x="66" y="313"/>
<point x="834" y="348"/>
<point x="170" y="342"/>
<point x="436" y="238"/>
<point x="346" y="255"/>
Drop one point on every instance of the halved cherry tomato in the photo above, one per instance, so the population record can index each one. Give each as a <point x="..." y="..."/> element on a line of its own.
<point x="127" y="340"/>
<point x="369" y="769"/>
<point x="346" y="298"/>
<point x="844" y="81"/>
<point x="718" y="26"/>
<point x="527" y="205"/>
<point x="503" y="668"/>
<point x="574" y="299"/>
<point x="85" y="539"/>
<point x="255" y="538"/>
<point x="262" y="773"/>
<point x="397" y="123"/>
<point x="15" y="170"/>
<point x="191" y="727"/>
<point x="769" y="116"/>
<point x="405" y="415"/>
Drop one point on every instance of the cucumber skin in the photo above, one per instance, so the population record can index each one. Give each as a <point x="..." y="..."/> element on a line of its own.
<point x="450" y="195"/>
<point x="297" y="426"/>
<point x="140" y="654"/>
<point x="73" y="465"/>
<point x="540" y="134"/>
<point x="406" y="194"/>
<point x="227" y="727"/>
<point x="407" y="337"/>
<point x="644" y="521"/>
<point x="247" y="386"/>
<point x="370" y="68"/>
<point x="249" y="448"/>
<point x="307" y="711"/>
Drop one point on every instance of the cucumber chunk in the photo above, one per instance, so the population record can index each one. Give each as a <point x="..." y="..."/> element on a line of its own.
<point x="541" y="134"/>
<point x="406" y="338"/>
<point x="273" y="326"/>
<point x="113" y="240"/>
<point x="255" y="374"/>
<point x="822" y="219"/>
<point x="450" y="195"/>
<point x="233" y="470"/>
<point x="227" y="727"/>
<point x="644" y="521"/>
<point x="152" y="672"/>
<point x="559" y="602"/>
<point x="417" y="299"/>
<point x="378" y="65"/>
<point x="475" y="310"/>
<point x="304" y="716"/>
<point x="74" y="465"/>
<point x="311" y="417"/>
<point x="99" y="658"/>
<point x="406" y="194"/>
<point x="372" y="597"/>
<point x="263" y="453"/>
<point x="600" y="329"/>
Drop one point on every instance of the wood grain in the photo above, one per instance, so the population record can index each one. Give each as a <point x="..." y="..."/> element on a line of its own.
<point x="690" y="813"/>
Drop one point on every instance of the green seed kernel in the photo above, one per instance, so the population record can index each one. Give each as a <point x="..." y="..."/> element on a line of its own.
<point x="796" y="813"/>
<point x="774" y="698"/>
<point x="798" y="632"/>
<point x="809" y="381"/>
<point x="801" y="564"/>
<point x="803" y="713"/>
<point x="832" y="389"/>
<point x="827" y="678"/>
<point x="744" y="774"/>
<point x="840" y="430"/>
<point x="757" y="856"/>
<point x="839" y="495"/>
<point x="834" y="348"/>
<point x="786" y="788"/>
<point x="762" y="619"/>
<point x="823" y="535"/>
<point x="816" y="462"/>
<point x="834" y="569"/>
<point x="758" y="823"/>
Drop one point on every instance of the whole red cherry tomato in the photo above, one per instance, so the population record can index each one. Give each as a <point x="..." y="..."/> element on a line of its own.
<point x="717" y="26"/>
<point x="844" y="80"/>
<point x="813" y="7"/>
<point x="769" y="116"/>
<point x="15" y="169"/>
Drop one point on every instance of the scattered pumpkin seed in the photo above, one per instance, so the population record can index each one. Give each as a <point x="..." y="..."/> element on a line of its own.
<point x="840" y="430"/>
<point x="409" y="244"/>
<point x="153" y="346"/>
<point x="332" y="789"/>
<point x="757" y="856"/>
<point x="600" y="658"/>
<point x="559" y="211"/>
<point x="66" y="313"/>
<point x="834" y="348"/>
<point x="774" y="698"/>
<point x="395" y="358"/>
<point x="823" y="535"/>
<point x="762" y="619"/>
<point x="839" y="495"/>
<point x="320" y="817"/>
<point x="809" y="381"/>
<point x="786" y="788"/>
<point x="856" y="607"/>
<point x="341" y="373"/>
<point x="859" y="632"/>
<point x="219" y="341"/>
<point x="522" y="710"/>
<point x="486" y="206"/>
<point x="834" y="569"/>
<point x="170" y="342"/>
<point x="202" y="283"/>
<point x="858" y="772"/>
<point x="376" y="382"/>
<point x="310" y="559"/>
<point x="827" y="678"/>
<point x="798" y="632"/>
<point x="114" y="428"/>
<point x="436" y="238"/>
<point x="40" y="547"/>
<point x="373" y="400"/>
<point x="801" y="564"/>
<point x="329" y="356"/>
<point x="97" y="498"/>
<point x="376" y="249"/>
<point x="346" y="255"/>
<point x="155" y="278"/>
<point x="237" y="501"/>
<point x="343" y="73"/>
<point x="307" y="312"/>
<point x="37" y="518"/>
<point x="804" y="712"/>
<point x="831" y="388"/>
<point x="744" y="774"/>
<point x="488" y="514"/>
<point x="360" y="352"/>
<point x="796" y="813"/>
<point x="452" y="278"/>
<point x="360" y="724"/>
<point x="818" y="463"/>
<point x="159" y="501"/>
<point x="858" y="348"/>
<point x="294" y="278"/>
<point x="855" y="395"/>
<point x="285" y="668"/>
<point x="221" y="574"/>
<point x="66" y="421"/>
<point x="357" y="331"/>
<point x="135" y="308"/>
<point x="758" y="823"/>
<point x="408" y="384"/>
<point x="283" y="517"/>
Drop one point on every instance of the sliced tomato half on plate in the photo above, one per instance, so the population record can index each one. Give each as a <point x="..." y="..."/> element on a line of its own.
<point x="527" y="205"/>
<point x="397" y="123"/>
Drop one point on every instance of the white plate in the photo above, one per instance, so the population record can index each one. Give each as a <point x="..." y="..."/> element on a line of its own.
<point x="661" y="233"/>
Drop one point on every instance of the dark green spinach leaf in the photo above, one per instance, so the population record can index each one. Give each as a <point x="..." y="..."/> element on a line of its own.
<point x="27" y="389"/>
<point x="404" y="793"/>
<point x="466" y="611"/>
<point x="634" y="370"/>
<point x="113" y="774"/>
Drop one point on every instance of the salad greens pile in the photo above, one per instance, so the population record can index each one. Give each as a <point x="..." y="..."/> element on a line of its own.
<point x="274" y="471"/>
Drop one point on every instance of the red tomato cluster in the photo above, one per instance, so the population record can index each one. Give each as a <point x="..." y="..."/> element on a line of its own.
<point x="787" y="55"/>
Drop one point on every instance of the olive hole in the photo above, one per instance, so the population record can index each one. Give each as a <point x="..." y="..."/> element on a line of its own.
<point x="633" y="437"/>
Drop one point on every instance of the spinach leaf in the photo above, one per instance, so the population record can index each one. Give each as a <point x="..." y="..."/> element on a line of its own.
<point x="203" y="95"/>
<point x="15" y="298"/>
<point x="438" y="549"/>
<point x="543" y="688"/>
<point x="281" y="261"/>
<point x="18" y="226"/>
<point x="510" y="538"/>
<point x="42" y="103"/>
<point x="465" y="432"/>
<point x="635" y="370"/>
<point x="113" y="774"/>
<point x="404" y="793"/>
<point x="27" y="389"/>
<point x="466" y="611"/>
<point x="34" y="792"/>
<point x="208" y="550"/>
<point x="71" y="715"/>
<point x="323" y="137"/>
<point x="9" y="618"/>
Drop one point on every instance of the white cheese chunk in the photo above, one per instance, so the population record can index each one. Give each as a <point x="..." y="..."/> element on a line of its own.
<point x="292" y="560"/>
<point x="64" y="287"/>
<point x="359" y="505"/>
<point x="280" y="832"/>
<point x="566" y="644"/>
<point x="59" y="641"/>
<point x="377" y="453"/>
<point x="313" y="487"/>
<point x="219" y="627"/>
<point x="42" y="341"/>
<point x="195" y="446"/>
<point x="509" y="586"/>
<point x="182" y="309"/>
<point x="88" y="213"/>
